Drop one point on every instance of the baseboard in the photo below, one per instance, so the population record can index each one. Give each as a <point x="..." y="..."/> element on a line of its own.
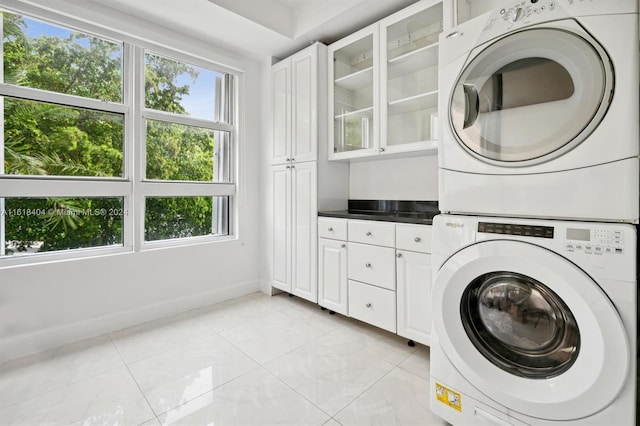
<point x="41" y="340"/>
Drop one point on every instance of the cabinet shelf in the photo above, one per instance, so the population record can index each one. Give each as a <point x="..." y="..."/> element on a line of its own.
<point x="414" y="103"/>
<point x="356" y="80"/>
<point x="365" y="112"/>
<point x="418" y="59"/>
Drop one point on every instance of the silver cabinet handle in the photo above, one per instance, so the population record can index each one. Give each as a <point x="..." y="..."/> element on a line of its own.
<point x="288" y="167"/>
<point x="343" y="245"/>
<point x="293" y="167"/>
<point x="330" y="229"/>
<point x="399" y="255"/>
<point x="288" y="159"/>
<point x="368" y="234"/>
<point x="381" y="149"/>
<point x="368" y="305"/>
<point x="417" y="239"/>
<point x="368" y="265"/>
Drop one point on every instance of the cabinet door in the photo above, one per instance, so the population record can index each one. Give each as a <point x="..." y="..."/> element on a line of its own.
<point x="281" y="231"/>
<point x="409" y="78"/>
<point x="281" y="110"/>
<point x="414" y="295"/>
<point x="304" y="105"/>
<point x="332" y="275"/>
<point x="353" y="95"/>
<point x="304" y="228"/>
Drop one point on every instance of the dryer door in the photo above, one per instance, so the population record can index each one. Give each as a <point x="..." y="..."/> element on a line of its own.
<point x="531" y="330"/>
<point x="531" y="95"/>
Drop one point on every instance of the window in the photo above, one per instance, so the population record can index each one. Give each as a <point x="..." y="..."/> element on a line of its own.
<point x="85" y="152"/>
<point x="187" y="149"/>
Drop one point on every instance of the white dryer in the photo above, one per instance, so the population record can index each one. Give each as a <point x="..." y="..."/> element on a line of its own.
<point x="534" y="322"/>
<point x="540" y="107"/>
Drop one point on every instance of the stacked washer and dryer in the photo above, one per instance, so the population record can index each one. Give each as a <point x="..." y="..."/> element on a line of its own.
<point x="535" y="256"/>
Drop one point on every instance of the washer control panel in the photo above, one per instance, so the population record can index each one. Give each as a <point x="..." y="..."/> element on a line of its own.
<point x="594" y="241"/>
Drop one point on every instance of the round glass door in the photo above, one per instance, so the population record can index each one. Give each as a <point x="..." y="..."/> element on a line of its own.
<point x="531" y="96"/>
<point x="520" y="325"/>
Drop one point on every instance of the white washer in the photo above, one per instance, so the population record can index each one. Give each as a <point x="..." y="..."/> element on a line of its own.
<point x="534" y="322"/>
<point x="539" y="105"/>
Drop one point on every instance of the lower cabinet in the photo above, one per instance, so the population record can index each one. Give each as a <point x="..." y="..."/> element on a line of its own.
<point x="377" y="272"/>
<point x="332" y="275"/>
<point x="413" y="272"/>
<point x="294" y="229"/>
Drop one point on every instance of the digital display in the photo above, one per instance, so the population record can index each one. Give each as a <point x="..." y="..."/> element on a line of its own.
<point x="515" y="229"/>
<point x="578" y="234"/>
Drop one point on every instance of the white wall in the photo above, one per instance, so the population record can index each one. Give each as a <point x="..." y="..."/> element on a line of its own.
<point x="413" y="178"/>
<point x="45" y="305"/>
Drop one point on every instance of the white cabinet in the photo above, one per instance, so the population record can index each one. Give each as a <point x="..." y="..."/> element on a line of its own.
<point x="294" y="202"/>
<point x="377" y="272"/>
<point x="383" y="85"/>
<point x="295" y="83"/>
<point x="301" y="178"/>
<point x="409" y="78"/>
<point x="332" y="275"/>
<point x="353" y="95"/>
<point x="413" y="275"/>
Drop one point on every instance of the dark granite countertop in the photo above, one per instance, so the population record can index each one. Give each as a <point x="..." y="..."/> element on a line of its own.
<point x="416" y="212"/>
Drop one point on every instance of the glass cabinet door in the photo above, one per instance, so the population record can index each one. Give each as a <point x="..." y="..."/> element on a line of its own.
<point x="409" y="44"/>
<point x="355" y="93"/>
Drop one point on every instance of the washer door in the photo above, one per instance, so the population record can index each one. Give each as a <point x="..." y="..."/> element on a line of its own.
<point x="532" y="95"/>
<point x="531" y="330"/>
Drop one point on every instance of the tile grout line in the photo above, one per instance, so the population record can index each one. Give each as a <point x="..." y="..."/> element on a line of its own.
<point x="73" y="382"/>
<point x="134" y="380"/>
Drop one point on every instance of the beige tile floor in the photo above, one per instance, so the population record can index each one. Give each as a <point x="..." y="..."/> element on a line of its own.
<point x="255" y="360"/>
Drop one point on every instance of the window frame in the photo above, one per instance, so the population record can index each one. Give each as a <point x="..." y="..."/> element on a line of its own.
<point x="132" y="187"/>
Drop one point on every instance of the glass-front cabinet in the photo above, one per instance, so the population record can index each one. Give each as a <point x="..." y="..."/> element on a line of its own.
<point x="353" y="95"/>
<point x="409" y="78"/>
<point x="383" y="85"/>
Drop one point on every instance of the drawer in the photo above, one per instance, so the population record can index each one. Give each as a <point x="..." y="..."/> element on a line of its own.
<point x="372" y="265"/>
<point x="373" y="305"/>
<point x="372" y="232"/>
<point x="413" y="238"/>
<point x="333" y="228"/>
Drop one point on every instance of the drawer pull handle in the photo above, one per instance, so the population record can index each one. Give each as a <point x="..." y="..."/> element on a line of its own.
<point x="368" y="265"/>
<point x="399" y="255"/>
<point x="417" y="239"/>
<point x="330" y="229"/>
<point x="368" y="234"/>
<point x="343" y="245"/>
<point x="368" y="305"/>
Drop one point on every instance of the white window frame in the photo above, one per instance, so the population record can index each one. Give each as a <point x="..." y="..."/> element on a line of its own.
<point x="132" y="187"/>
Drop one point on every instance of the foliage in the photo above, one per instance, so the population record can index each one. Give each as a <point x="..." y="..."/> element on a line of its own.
<point x="47" y="139"/>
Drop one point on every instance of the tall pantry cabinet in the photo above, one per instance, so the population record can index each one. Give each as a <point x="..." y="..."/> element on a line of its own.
<point x="302" y="180"/>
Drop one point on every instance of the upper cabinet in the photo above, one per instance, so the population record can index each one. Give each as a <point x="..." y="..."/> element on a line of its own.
<point x="409" y="78"/>
<point x="383" y="85"/>
<point x="295" y="106"/>
<point x="354" y="94"/>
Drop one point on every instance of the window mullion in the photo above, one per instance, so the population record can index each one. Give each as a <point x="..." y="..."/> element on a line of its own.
<point x="139" y="163"/>
<point x="130" y="122"/>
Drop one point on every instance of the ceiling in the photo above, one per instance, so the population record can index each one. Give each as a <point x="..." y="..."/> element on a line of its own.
<point x="261" y="28"/>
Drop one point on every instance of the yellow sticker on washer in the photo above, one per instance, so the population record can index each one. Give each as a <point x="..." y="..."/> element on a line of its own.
<point x="448" y="397"/>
